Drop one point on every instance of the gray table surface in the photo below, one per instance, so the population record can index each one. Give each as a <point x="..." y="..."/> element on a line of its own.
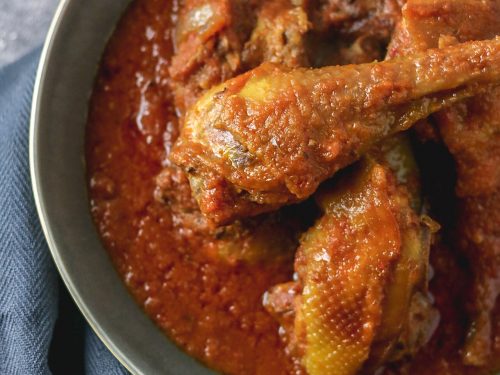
<point x="23" y="26"/>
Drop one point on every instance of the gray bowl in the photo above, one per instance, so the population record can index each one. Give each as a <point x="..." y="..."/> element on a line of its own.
<point x="66" y="74"/>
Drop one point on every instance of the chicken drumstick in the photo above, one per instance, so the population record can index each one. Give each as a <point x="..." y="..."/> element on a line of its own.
<point x="269" y="137"/>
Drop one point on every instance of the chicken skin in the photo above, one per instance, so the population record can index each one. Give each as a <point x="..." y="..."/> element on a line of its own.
<point x="471" y="132"/>
<point x="360" y="299"/>
<point x="269" y="137"/>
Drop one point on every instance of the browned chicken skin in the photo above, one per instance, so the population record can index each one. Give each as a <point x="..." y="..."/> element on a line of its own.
<point x="269" y="137"/>
<point x="471" y="132"/>
<point x="360" y="299"/>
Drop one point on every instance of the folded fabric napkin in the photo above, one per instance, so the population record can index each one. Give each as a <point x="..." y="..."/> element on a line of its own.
<point x="29" y="285"/>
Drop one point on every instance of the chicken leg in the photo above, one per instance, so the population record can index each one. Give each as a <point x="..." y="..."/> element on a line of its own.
<point x="269" y="137"/>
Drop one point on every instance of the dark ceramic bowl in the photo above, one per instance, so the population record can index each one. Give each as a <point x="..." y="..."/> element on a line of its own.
<point x="66" y="74"/>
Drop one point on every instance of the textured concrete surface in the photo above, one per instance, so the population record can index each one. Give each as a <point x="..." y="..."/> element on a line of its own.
<point x="23" y="25"/>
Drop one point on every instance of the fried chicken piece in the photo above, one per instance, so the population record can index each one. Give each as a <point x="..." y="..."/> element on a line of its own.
<point x="471" y="132"/>
<point x="269" y="137"/>
<point x="361" y="295"/>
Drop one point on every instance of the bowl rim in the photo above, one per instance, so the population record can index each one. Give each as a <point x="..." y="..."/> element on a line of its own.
<point x="38" y="89"/>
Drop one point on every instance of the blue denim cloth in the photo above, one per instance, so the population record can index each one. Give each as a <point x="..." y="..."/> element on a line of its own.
<point x="29" y="285"/>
